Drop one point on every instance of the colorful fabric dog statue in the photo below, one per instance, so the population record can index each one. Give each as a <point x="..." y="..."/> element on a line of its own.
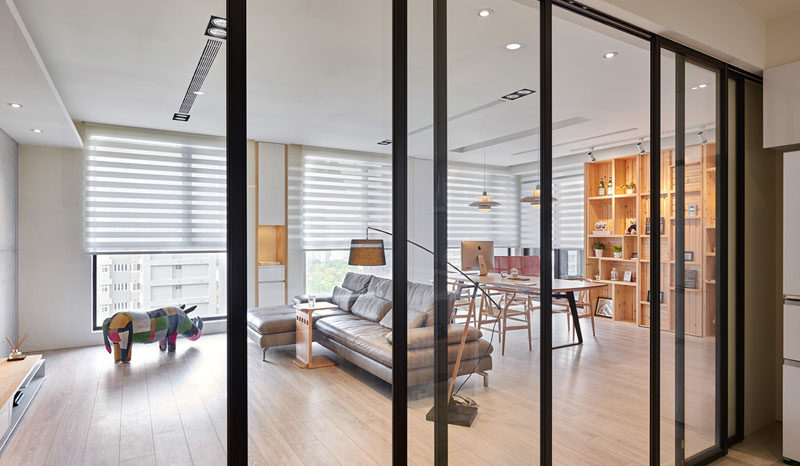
<point x="162" y="325"/>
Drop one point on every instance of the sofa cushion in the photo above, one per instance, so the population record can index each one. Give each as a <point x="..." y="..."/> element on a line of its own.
<point x="271" y="320"/>
<point x="415" y="319"/>
<point x="344" y="298"/>
<point x="380" y="287"/>
<point x="357" y="282"/>
<point x="360" y="335"/>
<point x="371" y="307"/>
<point x="423" y="337"/>
<point x="420" y="297"/>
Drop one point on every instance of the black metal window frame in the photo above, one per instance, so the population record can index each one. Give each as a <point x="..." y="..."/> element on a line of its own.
<point x="237" y="228"/>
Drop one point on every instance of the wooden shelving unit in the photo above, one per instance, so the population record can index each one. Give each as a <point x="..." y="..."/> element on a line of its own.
<point x="619" y="210"/>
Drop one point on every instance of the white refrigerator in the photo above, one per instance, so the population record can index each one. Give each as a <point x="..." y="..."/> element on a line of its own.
<point x="791" y="307"/>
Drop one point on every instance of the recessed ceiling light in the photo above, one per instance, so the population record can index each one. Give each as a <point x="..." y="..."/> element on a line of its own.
<point x="518" y="94"/>
<point x="217" y="27"/>
<point x="695" y="88"/>
<point x="37" y="131"/>
<point x="219" y="22"/>
<point x="198" y="92"/>
<point x="385" y="142"/>
<point x="524" y="92"/>
<point x="701" y="86"/>
<point x="609" y="54"/>
<point x="181" y="117"/>
<point x="14" y="105"/>
<point x="484" y="12"/>
<point x="217" y="32"/>
<point x="513" y="46"/>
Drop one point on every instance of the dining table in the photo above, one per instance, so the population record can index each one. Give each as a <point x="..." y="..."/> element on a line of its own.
<point x="561" y="288"/>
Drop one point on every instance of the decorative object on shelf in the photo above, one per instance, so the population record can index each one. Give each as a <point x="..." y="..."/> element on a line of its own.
<point x="161" y="325"/>
<point x="610" y="187"/>
<point x="629" y="187"/>
<point x="16" y="354"/>
<point x="631" y="229"/>
<point x="614" y="274"/>
<point x="690" y="279"/>
<point x="484" y="202"/>
<point x="597" y="276"/>
<point x="635" y="255"/>
<point x="535" y="199"/>
<point x="598" y="249"/>
<point x="628" y="277"/>
<point x="660" y="296"/>
<point x="601" y="228"/>
<point x="691" y="210"/>
<point x="688" y="256"/>
<point x="514" y="272"/>
<point x="617" y="252"/>
<point x="604" y="308"/>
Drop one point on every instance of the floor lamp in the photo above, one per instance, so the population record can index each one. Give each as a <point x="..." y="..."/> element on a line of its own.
<point x="370" y="252"/>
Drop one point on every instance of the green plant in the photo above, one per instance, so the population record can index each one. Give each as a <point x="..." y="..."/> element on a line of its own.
<point x="617" y="248"/>
<point x="631" y="185"/>
<point x="598" y="245"/>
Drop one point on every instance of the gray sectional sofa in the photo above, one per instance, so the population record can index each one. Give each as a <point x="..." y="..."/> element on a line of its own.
<point x="360" y="329"/>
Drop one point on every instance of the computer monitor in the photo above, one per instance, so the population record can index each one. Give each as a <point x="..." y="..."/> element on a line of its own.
<point x="470" y="250"/>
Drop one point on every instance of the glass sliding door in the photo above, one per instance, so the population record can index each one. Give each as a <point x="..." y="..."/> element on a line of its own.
<point x="601" y="128"/>
<point x="493" y="221"/>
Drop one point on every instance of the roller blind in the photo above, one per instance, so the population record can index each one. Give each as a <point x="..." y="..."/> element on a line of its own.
<point x="152" y="191"/>
<point x="568" y="220"/>
<point x="464" y="223"/>
<point x="334" y="195"/>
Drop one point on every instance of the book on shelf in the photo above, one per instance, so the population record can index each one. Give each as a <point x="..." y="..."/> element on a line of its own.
<point x="601" y="233"/>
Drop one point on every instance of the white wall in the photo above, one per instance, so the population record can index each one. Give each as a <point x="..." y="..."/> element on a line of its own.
<point x="420" y="219"/>
<point x="9" y="154"/>
<point x="55" y="271"/>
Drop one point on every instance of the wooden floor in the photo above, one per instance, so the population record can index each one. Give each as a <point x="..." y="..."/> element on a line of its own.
<point x="170" y="408"/>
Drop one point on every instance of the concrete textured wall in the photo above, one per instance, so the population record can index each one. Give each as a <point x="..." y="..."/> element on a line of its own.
<point x="9" y="159"/>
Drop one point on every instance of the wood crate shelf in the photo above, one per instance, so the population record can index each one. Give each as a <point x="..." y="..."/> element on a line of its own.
<point x="618" y="210"/>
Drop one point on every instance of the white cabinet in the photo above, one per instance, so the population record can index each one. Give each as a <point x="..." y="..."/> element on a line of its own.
<point x="791" y="224"/>
<point x="271" y="184"/>
<point x="791" y="412"/>
<point x="271" y="285"/>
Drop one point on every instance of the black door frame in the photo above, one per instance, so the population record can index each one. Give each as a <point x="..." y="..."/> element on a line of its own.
<point x="237" y="229"/>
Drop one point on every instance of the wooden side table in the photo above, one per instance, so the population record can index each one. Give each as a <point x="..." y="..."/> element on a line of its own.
<point x="304" y="336"/>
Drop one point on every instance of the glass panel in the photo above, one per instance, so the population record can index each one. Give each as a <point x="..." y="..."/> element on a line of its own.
<point x="700" y="249"/>
<point x="320" y="175"/>
<point x="601" y="115"/>
<point x="493" y="107"/>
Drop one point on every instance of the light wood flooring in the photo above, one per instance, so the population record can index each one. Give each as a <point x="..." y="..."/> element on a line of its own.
<point x="170" y="408"/>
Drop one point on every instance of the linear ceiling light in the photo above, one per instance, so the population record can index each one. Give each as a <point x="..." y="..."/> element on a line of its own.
<point x="181" y="117"/>
<point x="15" y="106"/>
<point x="385" y="142"/>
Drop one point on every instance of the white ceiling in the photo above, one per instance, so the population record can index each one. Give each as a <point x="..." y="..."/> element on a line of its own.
<point x="24" y="80"/>
<point x="319" y="73"/>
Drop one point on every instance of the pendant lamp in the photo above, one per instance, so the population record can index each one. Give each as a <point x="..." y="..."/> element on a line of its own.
<point x="484" y="202"/>
<point x="535" y="199"/>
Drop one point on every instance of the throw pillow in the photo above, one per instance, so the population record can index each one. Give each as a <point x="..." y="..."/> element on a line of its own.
<point x="414" y="319"/>
<point x="344" y="298"/>
<point x="371" y="307"/>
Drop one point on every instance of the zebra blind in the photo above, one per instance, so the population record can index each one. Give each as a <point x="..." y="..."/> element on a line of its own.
<point x="465" y="182"/>
<point x="334" y="195"/>
<point x="152" y="191"/>
<point x="568" y="220"/>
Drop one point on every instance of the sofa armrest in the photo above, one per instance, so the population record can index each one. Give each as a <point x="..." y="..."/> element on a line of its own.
<point x="303" y="298"/>
<point x="423" y="337"/>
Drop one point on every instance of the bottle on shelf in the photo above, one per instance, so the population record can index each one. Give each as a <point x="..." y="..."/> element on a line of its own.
<point x="610" y="188"/>
<point x="602" y="190"/>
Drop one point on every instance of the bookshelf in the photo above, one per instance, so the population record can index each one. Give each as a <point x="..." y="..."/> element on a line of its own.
<point x="620" y="209"/>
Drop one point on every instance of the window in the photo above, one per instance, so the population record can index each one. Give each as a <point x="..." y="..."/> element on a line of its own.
<point x="567" y="209"/>
<point x="201" y="283"/>
<point x="326" y="269"/>
<point x="155" y="219"/>
<point x="465" y="183"/>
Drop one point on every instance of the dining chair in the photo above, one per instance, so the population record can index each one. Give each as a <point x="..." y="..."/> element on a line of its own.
<point x="582" y="301"/>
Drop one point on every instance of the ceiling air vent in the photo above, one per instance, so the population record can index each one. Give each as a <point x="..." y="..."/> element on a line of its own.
<point x="210" y="52"/>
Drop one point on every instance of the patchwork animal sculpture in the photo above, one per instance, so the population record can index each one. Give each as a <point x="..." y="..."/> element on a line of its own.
<point x="123" y="329"/>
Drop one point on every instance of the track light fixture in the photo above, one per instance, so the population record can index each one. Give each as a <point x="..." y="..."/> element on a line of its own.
<point x="591" y="155"/>
<point x="640" y="146"/>
<point x="703" y="139"/>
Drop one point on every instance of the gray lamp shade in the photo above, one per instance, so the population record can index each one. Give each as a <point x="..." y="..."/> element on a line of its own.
<point x="366" y="252"/>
